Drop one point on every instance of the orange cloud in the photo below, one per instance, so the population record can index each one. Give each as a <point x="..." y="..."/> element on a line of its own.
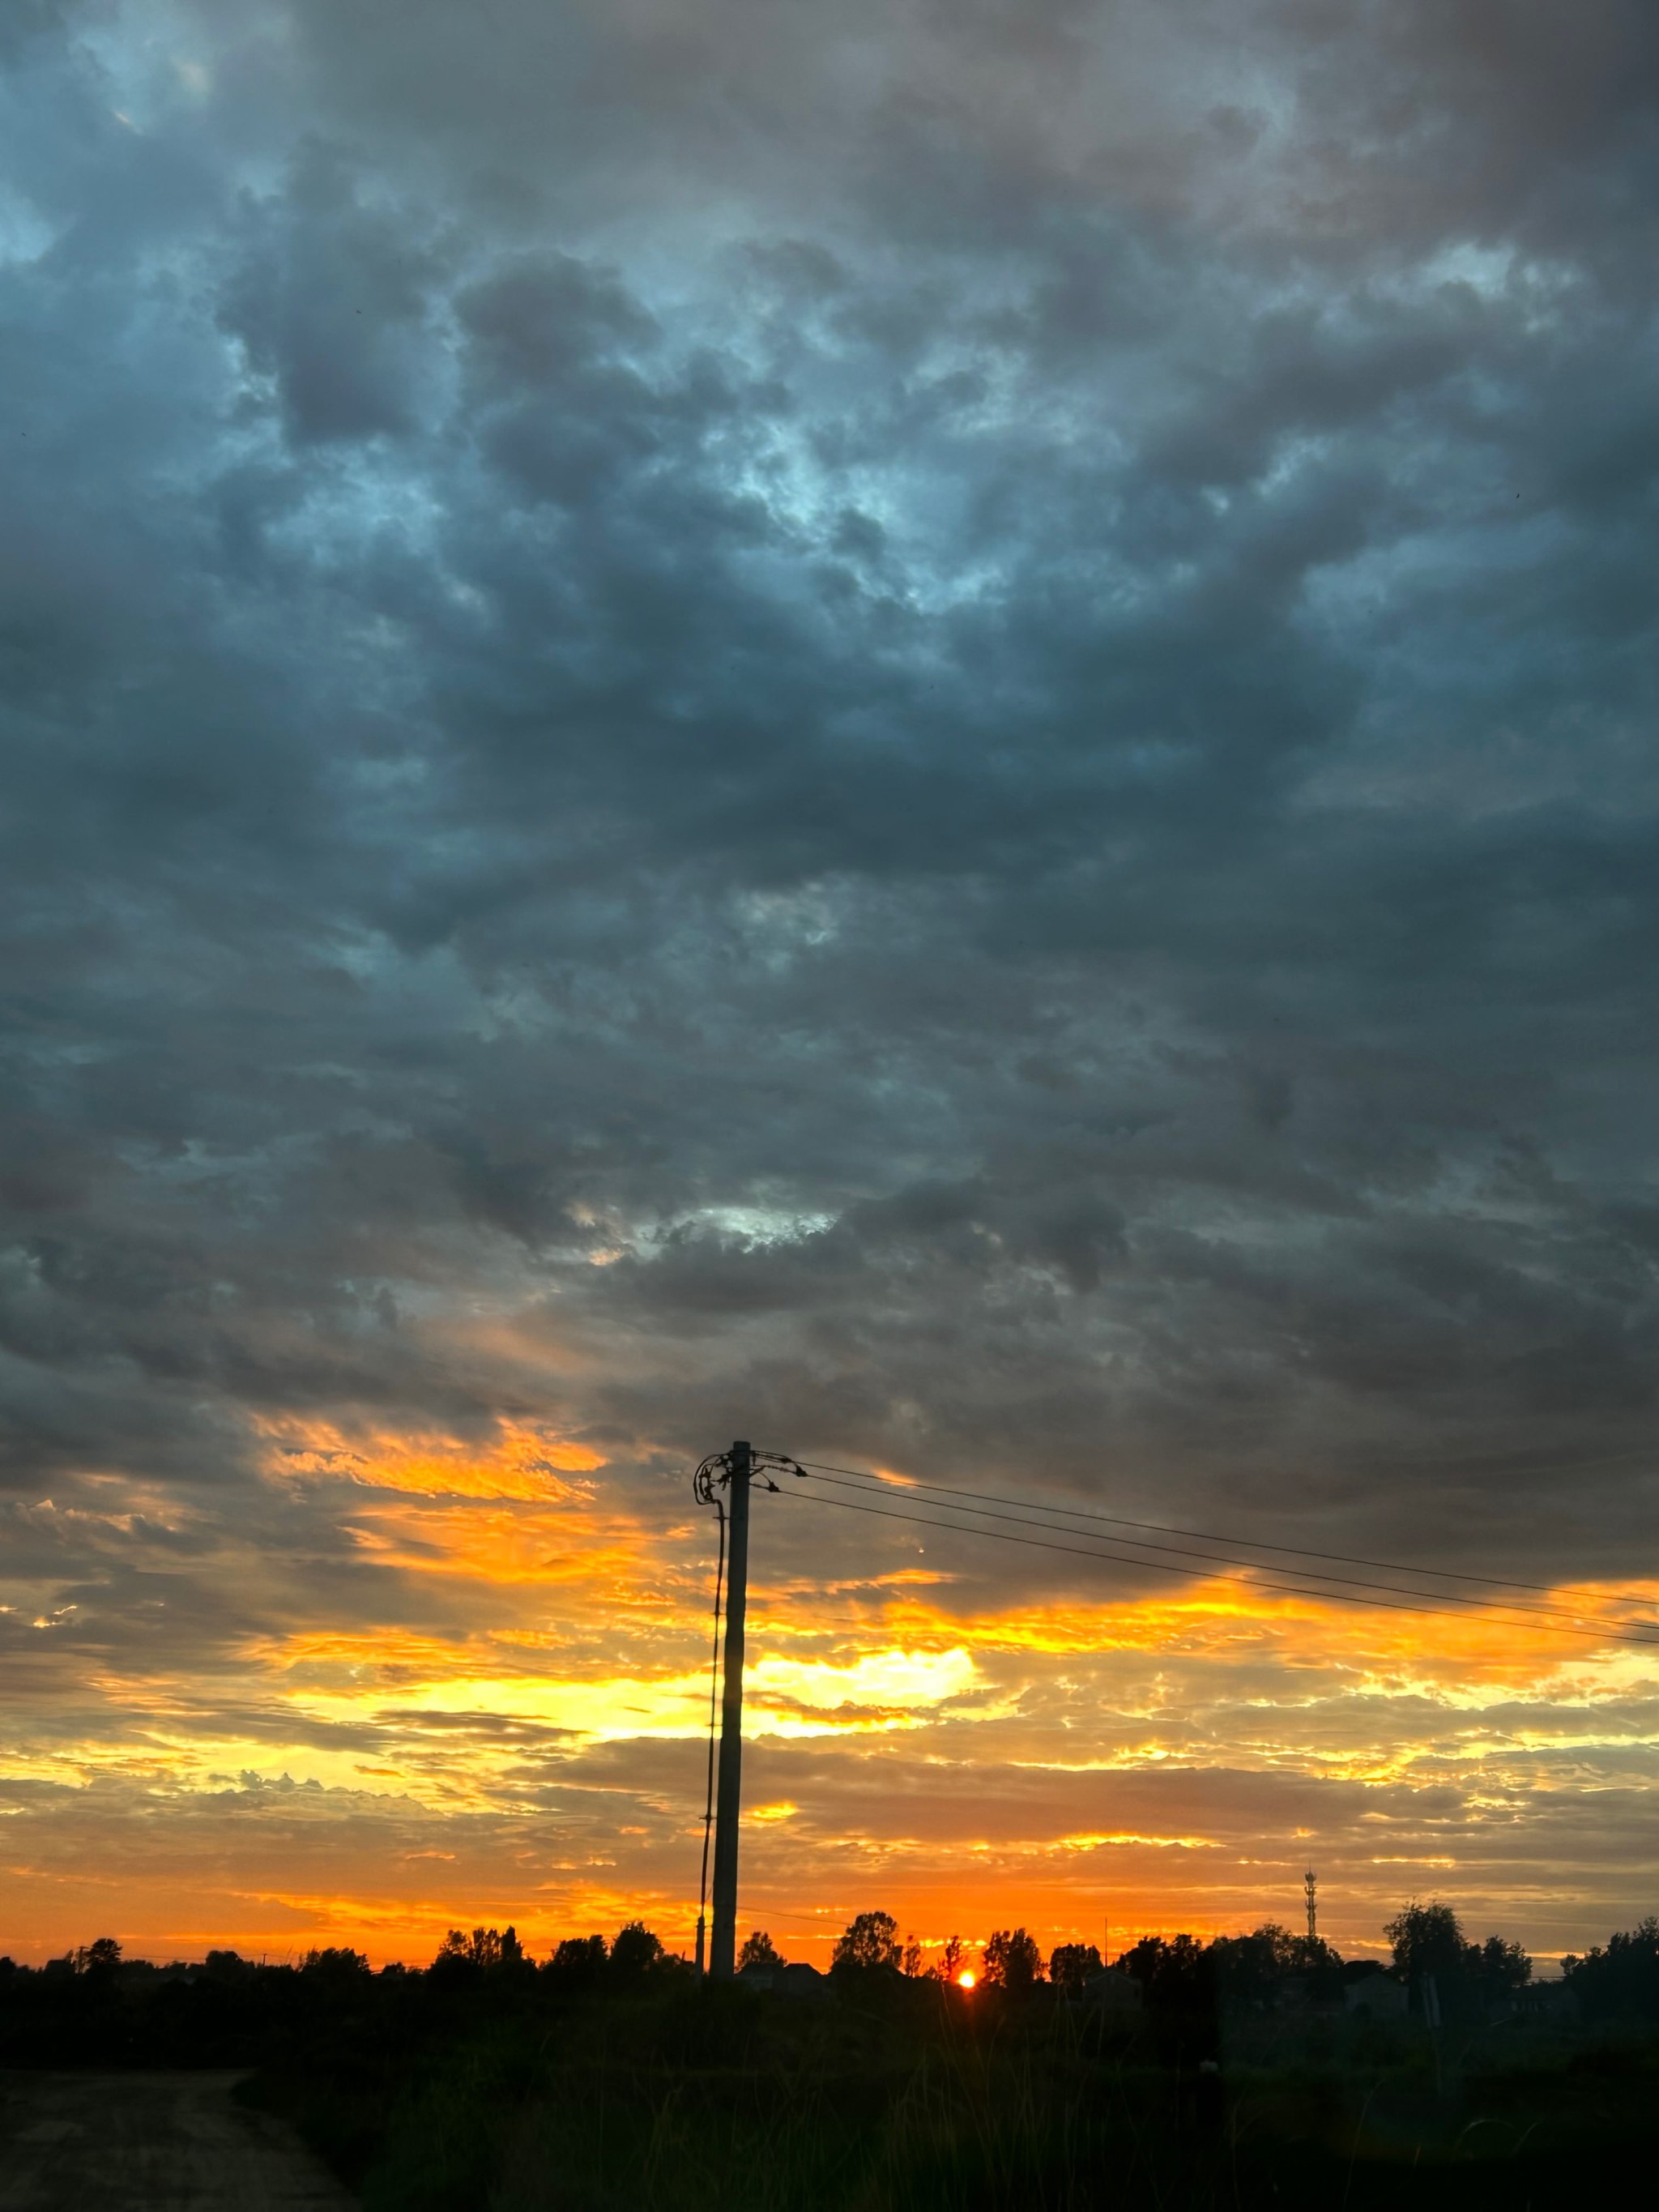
<point x="523" y="1688"/>
<point x="521" y="1462"/>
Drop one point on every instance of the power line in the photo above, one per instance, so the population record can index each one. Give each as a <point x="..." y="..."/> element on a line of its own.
<point x="1029" y="1519"/>
<point x="1250" y="1543"/>
<point x="1247" y="1581"/>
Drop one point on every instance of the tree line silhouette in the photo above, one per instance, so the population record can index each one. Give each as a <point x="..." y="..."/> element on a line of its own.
<point x="1427" y="1943"/>
<point x="422" y="2085"/>
<point x="94" y="1999"/>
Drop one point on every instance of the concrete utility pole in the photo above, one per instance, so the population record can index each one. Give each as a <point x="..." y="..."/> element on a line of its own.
<point x="724" y="1482"/>
<point x="723" y="1949"/>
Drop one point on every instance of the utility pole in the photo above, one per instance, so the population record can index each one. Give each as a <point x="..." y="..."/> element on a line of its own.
<point x="723" y="1950"/>
<point x="732" y="1474"/>
<point x="1309" y="1885"/>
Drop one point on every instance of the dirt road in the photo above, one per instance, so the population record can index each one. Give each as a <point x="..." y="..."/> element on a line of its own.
<point x="149" y="2142"/>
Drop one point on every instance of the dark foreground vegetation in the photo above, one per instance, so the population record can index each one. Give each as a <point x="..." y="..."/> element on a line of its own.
<point x="608" y="2077"/>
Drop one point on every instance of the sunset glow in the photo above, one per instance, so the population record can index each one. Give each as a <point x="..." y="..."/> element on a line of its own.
<point x="919" y="734"/>
<point x="516" y="1730"/>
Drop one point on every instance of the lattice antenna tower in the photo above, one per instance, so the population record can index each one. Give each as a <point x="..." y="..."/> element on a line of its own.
<point x="1309" y="1890"/>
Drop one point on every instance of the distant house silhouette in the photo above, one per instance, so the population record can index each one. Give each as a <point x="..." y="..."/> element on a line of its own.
<point x="797" y="1980"/>
<point x="1372" y="1991"/>
<point x="1111" y="1991"/>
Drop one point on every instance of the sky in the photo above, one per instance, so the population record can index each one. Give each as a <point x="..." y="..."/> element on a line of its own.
<point x="923" y="731"/>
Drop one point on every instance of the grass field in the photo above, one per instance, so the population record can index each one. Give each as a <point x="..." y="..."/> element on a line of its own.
<point x="617" y="2083"/>
<point x="916" y="2100"/>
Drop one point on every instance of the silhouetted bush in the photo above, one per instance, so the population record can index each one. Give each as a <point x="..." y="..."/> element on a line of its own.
<point x="1620" y="1982"/>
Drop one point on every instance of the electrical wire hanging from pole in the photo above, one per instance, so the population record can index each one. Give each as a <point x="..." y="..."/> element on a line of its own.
<point x="731" y="1473"/>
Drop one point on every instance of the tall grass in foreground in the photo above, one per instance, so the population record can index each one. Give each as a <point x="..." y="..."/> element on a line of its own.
<point x="831" y="2113"/>
<point x="714" y="2098"/>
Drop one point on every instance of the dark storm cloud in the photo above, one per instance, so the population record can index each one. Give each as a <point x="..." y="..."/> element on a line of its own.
<point x="972" y="693"/>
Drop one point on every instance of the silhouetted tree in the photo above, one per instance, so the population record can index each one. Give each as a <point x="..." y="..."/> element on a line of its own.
<point x="580" y="1959"/>
<point x="635" y="1952"/>
<point x="1011" y="1961"/>
<point x="1498" y="1968"/>
<point x="1070" y="1966"/>
<point x="102" y="1957"/>
<point x="1177" y="1976"/>
<point x="484" y="1947"/>
<point x="1249" y="1968"/>
<point x="1427" y="1939"/>
<point x="1177" y="1973"/>
<point x="870" y="1939"/>
<point x="343" y="1968"/>
<point x="758" y="1950"/>
<point x="948" y="1964"/>
<point x="1469" y="1977"/>
<point x="1620" y="1982"/>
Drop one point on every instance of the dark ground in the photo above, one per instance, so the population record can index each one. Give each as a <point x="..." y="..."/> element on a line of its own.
<point x="519" y="2088"/>
<point x="151" y="2143"/>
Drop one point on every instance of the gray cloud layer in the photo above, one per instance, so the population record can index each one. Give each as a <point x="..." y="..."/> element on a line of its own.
<point x="971" y="689"/>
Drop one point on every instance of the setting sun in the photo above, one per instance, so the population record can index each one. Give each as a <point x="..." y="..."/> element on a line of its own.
<point x="966" y="1979"/>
